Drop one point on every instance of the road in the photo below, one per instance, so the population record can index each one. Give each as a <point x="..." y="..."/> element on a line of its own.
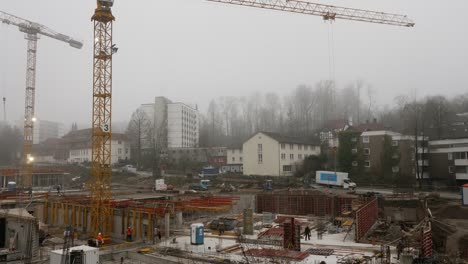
<point x="445" y="195"/>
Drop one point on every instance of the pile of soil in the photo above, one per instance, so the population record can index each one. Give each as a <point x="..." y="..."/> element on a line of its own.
<point x="452" y="212"/>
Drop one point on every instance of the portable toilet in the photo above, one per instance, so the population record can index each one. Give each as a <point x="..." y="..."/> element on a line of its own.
<point x="197" y="235"/>
<point x="465" y="195"/>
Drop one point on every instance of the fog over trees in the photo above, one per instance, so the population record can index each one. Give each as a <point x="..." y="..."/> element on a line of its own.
<point x="307" y="109"/>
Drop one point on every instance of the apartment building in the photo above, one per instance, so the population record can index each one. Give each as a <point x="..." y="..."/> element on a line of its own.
<point x="120" y="150"/>
<point x="272" y="154"/>
<point x="173" y="124"/>
<point x="182" y="126"/>
<point x="234" y="160"/>
<point x="449" y="161"/>
<point x="44" y="130"/>
<point x="386" y="152"/>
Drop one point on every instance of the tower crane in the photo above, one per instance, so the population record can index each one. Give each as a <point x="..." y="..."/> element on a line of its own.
<point x="100" y="194"/>
<point x="328" y="12"/>
<point x="32" y="32"/>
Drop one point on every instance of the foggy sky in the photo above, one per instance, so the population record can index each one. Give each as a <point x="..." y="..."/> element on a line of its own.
<point x="193" y="51"/>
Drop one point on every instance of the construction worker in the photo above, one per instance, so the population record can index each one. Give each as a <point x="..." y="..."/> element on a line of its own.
<point x="400" y="246"/>
<point x="129" y="234"/>
<point x="100" y="241"/>
<point x="307" y="233"/>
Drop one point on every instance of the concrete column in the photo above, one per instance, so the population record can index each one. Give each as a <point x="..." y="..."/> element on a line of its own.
<point x="167" y="224"/>
<point x="179" y="219"/>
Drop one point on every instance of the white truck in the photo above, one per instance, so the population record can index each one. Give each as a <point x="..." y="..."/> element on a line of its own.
<point x="332" y="178"/>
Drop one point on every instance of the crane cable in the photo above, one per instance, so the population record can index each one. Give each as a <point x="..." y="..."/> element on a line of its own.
<point x="331" y="51"/>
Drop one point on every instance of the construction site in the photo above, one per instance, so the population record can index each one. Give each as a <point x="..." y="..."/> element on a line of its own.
<point x="99" y="219"/>
<point x="248" y="226"/>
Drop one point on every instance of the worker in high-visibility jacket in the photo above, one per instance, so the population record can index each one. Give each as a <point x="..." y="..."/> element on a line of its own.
<point x="100" y="240"/>
<point x="129" y="234"/>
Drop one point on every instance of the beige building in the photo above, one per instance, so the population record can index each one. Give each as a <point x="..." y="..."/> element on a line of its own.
<point x="271" y="154"/>
<point x="234" y="156"/>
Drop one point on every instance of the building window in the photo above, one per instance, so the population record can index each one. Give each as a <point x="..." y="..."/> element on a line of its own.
<point x="287" y="168"/>
<point x="126" y="151"/>
<point x="367" y="163"/>
<point x="354" y="163"/>
<point x="306" y="147"/>
<point x="120" y="151"/>
<point x="260" y="147"/>
<point x="365" y="139"/>
<point x="232" y="151"/>
<point x="354" y="150"/>
<point x="240" y="159"/>
<point x="260" y="158"/>
<point x="395" y="143"/>
<point x="299" y="147"/>
<point x="353" y="139"/>
<point x="291" y="156"/>
<point x="395" y="169"/>
<point x="283" y="146"/>
<point x="233" y="159"/>
<point x="367" y="151"/>
<point x="451" y="169"/>
<point x="450" y="156"/>
<point x="291" y="146"/>
<point x="283" y="156"/>
<point x="299" y="156"/>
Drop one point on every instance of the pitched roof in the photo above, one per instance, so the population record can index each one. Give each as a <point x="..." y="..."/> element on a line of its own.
<point x="289" y="139"/>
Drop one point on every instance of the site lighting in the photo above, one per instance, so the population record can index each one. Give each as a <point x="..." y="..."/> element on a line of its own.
<point x="34" y="119"/>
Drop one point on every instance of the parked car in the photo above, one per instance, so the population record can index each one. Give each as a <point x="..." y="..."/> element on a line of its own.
<point x="129" y="168"/>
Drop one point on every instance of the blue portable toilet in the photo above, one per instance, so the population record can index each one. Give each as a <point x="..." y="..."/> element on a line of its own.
<point x="197" y="234"/>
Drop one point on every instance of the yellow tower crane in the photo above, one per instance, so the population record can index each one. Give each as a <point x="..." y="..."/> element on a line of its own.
<point x="32" y="32"/>
<point x="100" y="188"/>
<point x="101" y="211"/>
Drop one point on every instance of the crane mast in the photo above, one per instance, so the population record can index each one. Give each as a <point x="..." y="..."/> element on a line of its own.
<point x="328" y="12"/>
<point x="32" y="32"/>
<point x="100" y="192"/>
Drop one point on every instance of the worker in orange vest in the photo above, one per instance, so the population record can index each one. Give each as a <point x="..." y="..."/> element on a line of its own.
<point x="100" y="241"/>
<point x="129" y="234"/>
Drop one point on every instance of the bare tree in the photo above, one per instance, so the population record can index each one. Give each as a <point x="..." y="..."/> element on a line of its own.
<point x="137" y="131"/>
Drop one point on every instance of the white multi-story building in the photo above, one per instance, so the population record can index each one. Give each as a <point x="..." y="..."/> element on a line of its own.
<point x="182" y="126"/>
<point x="44" y="129"/>
<point x="120" y="150"/>
<point x="271" y="154"/>
<point x="175" y="125"/>
<point x="234" y="155"/>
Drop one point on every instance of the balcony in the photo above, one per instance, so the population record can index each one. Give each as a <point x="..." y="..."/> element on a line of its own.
<point x="461" y="162"/>
<point x="423" y="162"/>
<point x="461" y="176"/>
<point x="424" y="175"/>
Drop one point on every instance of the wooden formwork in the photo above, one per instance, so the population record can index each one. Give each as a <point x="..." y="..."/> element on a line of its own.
<point x="366" y="217"/>
<point x="301" y="203"/>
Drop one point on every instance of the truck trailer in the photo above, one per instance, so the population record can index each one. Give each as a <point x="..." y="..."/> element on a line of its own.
<point x="332" y="178"/>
